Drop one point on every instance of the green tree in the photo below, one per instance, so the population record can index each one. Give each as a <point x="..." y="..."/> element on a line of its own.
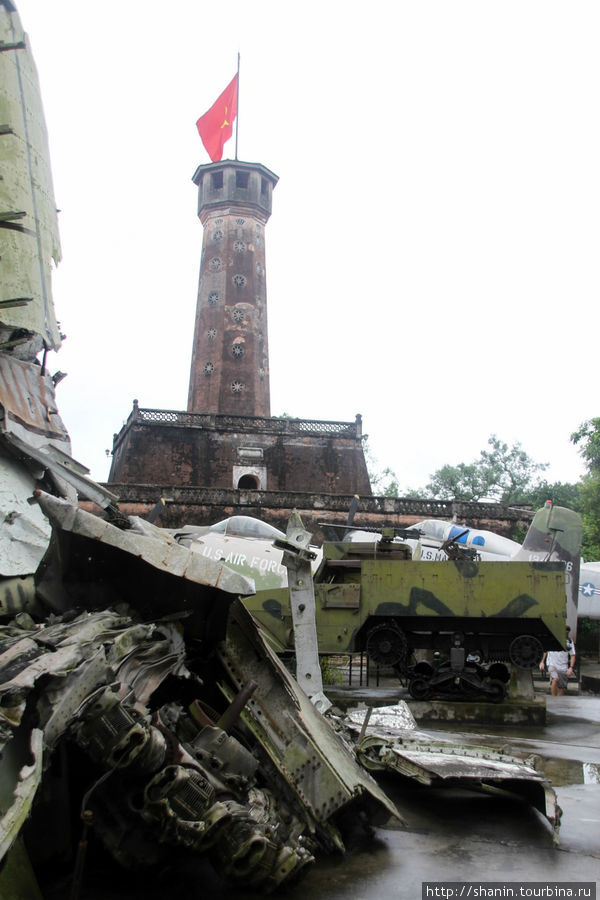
<point x="501" y="473"/>
<point x="461" y="482"/>
<point x="587" y="437"/>
<point x="561" y="493"/>
<point x="511" y="471"/>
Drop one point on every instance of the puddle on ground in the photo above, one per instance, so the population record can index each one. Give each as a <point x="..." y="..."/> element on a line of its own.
<point x="591" y="773"/>
<point x="561" y="771"/>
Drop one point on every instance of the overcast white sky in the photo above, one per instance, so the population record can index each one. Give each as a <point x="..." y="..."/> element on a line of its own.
<point x="432" y="257"/>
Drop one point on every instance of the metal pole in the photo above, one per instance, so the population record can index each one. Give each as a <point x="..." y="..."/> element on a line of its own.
<point x="365" y="723"/>
<point x="237" y="107"/>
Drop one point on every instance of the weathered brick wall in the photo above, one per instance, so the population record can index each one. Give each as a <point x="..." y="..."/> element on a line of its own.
<point x="165" y="454"/>
<point x="335" y="465"/>
<point x="205" y="506"/>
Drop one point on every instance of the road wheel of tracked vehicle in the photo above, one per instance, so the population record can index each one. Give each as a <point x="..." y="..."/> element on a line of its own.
<point x="387" y="645"/>
<point x="499" y="672"/>
<point x="424" y="669"/>
<point x="419" y="688"/>
<point x="525" y="651"/>
<point x="496" y="691"/>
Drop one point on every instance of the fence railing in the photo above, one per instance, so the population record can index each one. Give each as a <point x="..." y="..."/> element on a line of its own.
<point x="224" y="422"/>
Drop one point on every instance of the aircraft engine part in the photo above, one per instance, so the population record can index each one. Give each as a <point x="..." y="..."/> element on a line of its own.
<point x="526" y="651"/>
<point x="170" y="778"/>
<point x="119" y="736"/>
<point x="207" y="808"/>
<point x="386" y="645"/>
<point x="182" y="793"/>
<point x="244" y="850"/>
<point x="424" y="668"/>
<point x="224" y="756"/>
<point x="119" y="823"/>
<point x="268" y="810"/>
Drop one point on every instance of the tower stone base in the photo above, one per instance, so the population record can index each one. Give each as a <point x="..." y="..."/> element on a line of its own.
<point x="166" y="447"/>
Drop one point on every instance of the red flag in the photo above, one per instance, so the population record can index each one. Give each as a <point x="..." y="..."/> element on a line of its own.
<point x="216" y="126"/>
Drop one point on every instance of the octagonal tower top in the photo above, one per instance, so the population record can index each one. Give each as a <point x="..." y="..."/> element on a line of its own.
<point x="231" y="183"/>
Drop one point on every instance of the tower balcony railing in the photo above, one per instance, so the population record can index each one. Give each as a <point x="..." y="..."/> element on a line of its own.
<point x="251" y="502"/>
<point x="223" y="422"/>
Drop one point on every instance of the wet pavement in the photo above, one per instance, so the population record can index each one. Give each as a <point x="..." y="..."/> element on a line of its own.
<point x="450" y="835"/>
<point x="463" y="836"/>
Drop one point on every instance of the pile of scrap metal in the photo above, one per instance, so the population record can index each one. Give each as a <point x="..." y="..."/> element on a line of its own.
<point x="134" y="669"/>
<point x="139" y="699"/>
<point x="148" y="703"/>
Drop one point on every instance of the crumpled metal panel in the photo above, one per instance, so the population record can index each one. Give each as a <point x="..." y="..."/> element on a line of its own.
<point x="29" y="425"/>
<point x="25" y="188"/>
<point x="390" y="718"/>
<point x="56" y="663"/>
<point x="17" y="595"/>
<point x="427" y="758"/>
<point x="24" y="529"/>
<point x="197" y="784"/>
<point x="460" y="762"/>
<point x="390" y="742"/>
<point x="319" y="767"/>
<point x="84" y="648"/>
<point x="28" y="413"/>
<point x="19" y="782"/>
<point x="28" y="398"/>
<point x="154" y="546"/>
<point x="34" y="434"/>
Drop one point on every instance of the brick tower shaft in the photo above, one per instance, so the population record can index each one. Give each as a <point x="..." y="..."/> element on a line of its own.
<point x="230" y="356"/>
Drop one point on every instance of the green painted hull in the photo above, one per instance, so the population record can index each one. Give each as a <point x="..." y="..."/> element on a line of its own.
<point x="491" y="603"/>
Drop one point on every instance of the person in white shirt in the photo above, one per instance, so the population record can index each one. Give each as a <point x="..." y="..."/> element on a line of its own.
<point x="561" y="665"/>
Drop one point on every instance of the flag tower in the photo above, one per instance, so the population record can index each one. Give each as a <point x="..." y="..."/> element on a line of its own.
<point x="230" y="357"/>
<point x="227" y="439"/>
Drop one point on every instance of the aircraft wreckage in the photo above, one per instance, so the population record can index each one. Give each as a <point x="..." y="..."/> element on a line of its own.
<point x="137" y="684"/>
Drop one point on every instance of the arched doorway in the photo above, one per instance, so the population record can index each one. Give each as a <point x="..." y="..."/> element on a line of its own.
<point x="248" y="482"/>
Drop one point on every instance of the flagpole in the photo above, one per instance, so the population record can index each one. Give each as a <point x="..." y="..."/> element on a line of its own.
<point x="237" y="105"/>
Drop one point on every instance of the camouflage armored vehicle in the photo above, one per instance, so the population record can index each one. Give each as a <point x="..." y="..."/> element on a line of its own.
<point x="472" y="617"/>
